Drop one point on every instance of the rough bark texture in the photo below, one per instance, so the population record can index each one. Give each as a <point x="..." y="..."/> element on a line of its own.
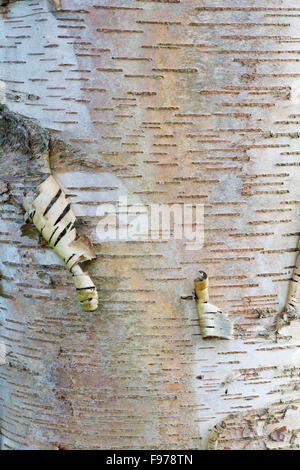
<point x="165" y="101"/>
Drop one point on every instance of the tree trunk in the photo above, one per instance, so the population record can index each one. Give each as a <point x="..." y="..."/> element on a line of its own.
<point x="164" y="102"/>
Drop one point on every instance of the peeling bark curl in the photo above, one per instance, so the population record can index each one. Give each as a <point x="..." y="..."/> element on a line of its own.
<point x="213" y="323"/>
<point x="273" y="428"/>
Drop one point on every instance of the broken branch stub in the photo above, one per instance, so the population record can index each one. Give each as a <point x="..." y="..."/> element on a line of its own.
<point x="54" y="218"/>
<point x="213" y="323"/>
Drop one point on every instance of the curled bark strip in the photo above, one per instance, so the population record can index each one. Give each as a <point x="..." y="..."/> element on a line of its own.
<point x="4" y="195"/>
<point x="273" y="428"/>
<point x="52" y="214"/>
<point x="56" y="4"/>
<point x="293" y="297"/>
<point x="213" y="323"/>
